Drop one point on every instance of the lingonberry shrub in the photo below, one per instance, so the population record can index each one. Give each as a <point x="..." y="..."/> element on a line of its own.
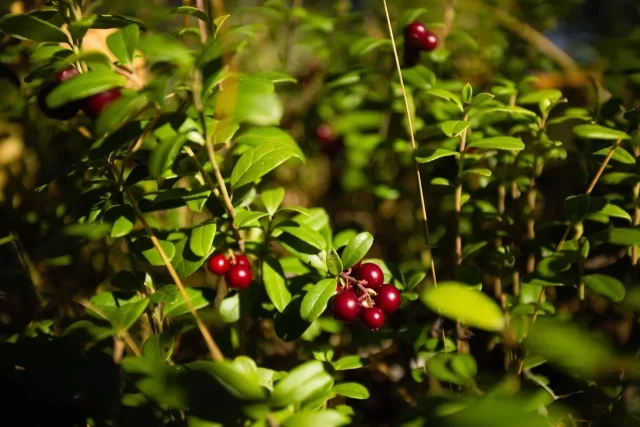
<point x="190" y="239"/>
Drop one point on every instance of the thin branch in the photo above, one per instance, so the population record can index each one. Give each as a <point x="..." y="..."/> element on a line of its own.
<point x="458" y="197"/>
<point x="211" y="345"/>
<point x="413" y="144"/>
<point x="204" y="32"/>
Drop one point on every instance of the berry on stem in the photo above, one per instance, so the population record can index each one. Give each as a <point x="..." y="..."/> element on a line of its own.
<point x="218" y="264"/>
<point x="387" y="298"/>
<point x="67" y="74"/>
<point x="95" y="104"/>
<point x="373" y="318"/>
<point x="411" y="55"/>
<point x="416" y="34"/>
<point x="371" y="273"/>
<point x="242" y="260"/>
<point x="239" y="276"/>
<point x="345" y="306"/>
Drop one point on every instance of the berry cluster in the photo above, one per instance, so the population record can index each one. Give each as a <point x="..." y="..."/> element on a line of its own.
<point x="236" y="269"/>
<point x="417" y="38"/>
<point x="92" y="105"/>
<point x="364" y="295"/>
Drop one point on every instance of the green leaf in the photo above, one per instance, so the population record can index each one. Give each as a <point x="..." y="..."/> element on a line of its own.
<point x="351" y="390"/>
<point x="498" y="143"/>
<point x="619" y="236"/>
<point x="431" y="154"/>
<point x="303" y="381"/>
<point x="481" y="98"/>
<point x="272" y="199"/>
<point x="274" y="283"/>
<point x="202" y="238"/>
<point x="317" y="298"/>
<point x="129" y="281"/>
<point x="124" y="42"/>
<point x="334" y="263"/>
<point x="620" y="155"/>
<point x="119" y="112"/>
<point x="599" y="132"/>
<point x="260" y="136"/>
<point x="612" y="210"/>
<point x="164" y="155"/>
<point x="197" y="197"/>
<point x="462" y="303"/>
<point x="478" y="171"/>
<point x="348" y="362"/>
<point x="324" y="418"/>
<point x="193" y="11"/>
<point x="508" y="109"/>
<point x="83" y="86"/>
<point x="446" y="95"/>
<point x="122" y="219"/>
<point x="275" y="77"/>
<point x="540" y="95"/>
<point x="577" y="207"/>
<point x="248" y="218"/>
<point x="367" y="44"/>
<point x="180" y="307"/>
<point x="230" y="308"/>
<point x="78" y="29"/>
<point x="356" y="249"/>
<point x="608" y="286"/>
<point x="453" y="128"/>
<point x="159" y="347"/>
<point x="239" y="384"/>
<point x="304" y="233"/>
<point x="467" y="93"/>
<point x="143" y="248"/>
<point x="122" y="314"/>
<point x="167" y="294"/>
<point x="30" y="27"/>
<point x="185" y="261"/>
<point x="419" y="76"/>
<point x="258" y="162"/>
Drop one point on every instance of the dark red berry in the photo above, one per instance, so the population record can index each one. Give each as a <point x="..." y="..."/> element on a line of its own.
<point x="388" y="298"/>
<point x="242" y="260"/>
<point x="373" y="318"/>
<point x="239" y="276"/>
<point x="95" y="104"/>
<point x="416" y="34"/>
<point x="218" y="264"/>
<point x="66" y="74"/>
<point x="345" y="306"/>
<point x="65" y="112"/>
<point x="371" y="273"/>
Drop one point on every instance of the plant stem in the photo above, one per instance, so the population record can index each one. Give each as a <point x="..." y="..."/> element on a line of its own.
<point x="458" y="196"/>
<point x="211" y="345"/>
<point x="413" y="144"/>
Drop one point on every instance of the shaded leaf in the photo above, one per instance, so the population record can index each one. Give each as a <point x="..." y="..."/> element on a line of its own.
<point x="274" y="283"/>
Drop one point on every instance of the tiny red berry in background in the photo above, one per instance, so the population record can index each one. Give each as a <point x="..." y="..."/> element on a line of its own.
<point x="345" y="306"/>
<point x="66" y="74"/>
<point x="373" y="318"/>
<point x="242" y="260"/>
<point x="371" y="273"/>
<point x="94" y="105"/>
<point x="239" y="276"/>
<point x="325" y="134"/>
<point x="417" y="35"/>
<point x="218" y="264"/>
<point x="388" y="298"/>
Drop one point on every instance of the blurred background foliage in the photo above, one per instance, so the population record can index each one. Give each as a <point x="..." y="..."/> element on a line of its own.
<point x="364" y="179"/>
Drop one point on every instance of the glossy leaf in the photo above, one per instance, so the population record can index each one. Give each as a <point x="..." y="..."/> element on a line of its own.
<point x="429" y="155"/>
<point x="248" y="218"/>
<point x="618" y="236"/>
<point x="122" y="219"/>
<point x="272" y="199"/>
<point x="180" y="307"/>
<point x="165" y="154"/>
<point x="619" y="155"/>
<point x="446" y="95"/>
<point x="238" y="383"/>
<point x="258" y="162"/>
<point x="454" y="128"/>
<point x="302" y="382"/>
<point x="274" y="283"/>
<point x="592" y="131"/>
<point x="498" y="143"/>
<point x="304" y="233"/>
<point x="202" y="238"/>
<point x="607" y="286"/>
<point x="317" y="298"/>
<point x="30" y="27"/>
<point x="356" y="249"/>
<point x="351" y="390"/>
<point x="124" y="42"/>
<point x="324" y="418"/>
<point x="143" y="248"/>
<point x="83" y="86"/>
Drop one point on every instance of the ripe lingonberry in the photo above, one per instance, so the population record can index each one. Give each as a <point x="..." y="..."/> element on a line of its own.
<point x="218" y="264"/>
<point x="388" y="298"/>
<point x="65" y="112"/>
<point x="242" y="260"/>
<point x="345" y="306"/>
<point x="371" y="273"/>
<point x="372" y="317"/>
<point x="239" y="276"/>
<point x="95" y="104"/>
<point x="325" y="134"/>
<point x="416" y="34"/>
<point x="66" y="74"/>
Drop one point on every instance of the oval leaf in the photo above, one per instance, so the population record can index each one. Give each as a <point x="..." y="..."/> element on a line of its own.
<point x="274" y="283"/>
<point x="356" y="249"/>
<point x="352" y="390"/>
<point x="30" y="27"/>
<point x="315" y="301"/>
<point x="258" y="162"/>
<point x="83" y="86"/>
<point x="608" y="286"/>
<point x="202" y="238"/>
<point x="498" y="143"/>
<point x="599" y="132"/>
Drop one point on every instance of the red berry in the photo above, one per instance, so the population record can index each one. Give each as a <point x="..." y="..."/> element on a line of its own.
<point x="218" y="264"/>
<point x="345" y="306"/>
<point x="418" y="35"/>
<point x="66" y="74"/>
<point x="239" y="276"/>
<point x="242" y="260"/>
<point x="64" y="112"/>
<point x="325" y="134"/>
<point x="372" y="317"/>
<point x="94" y="105"/>
<point x="371" y="273"/>
<point x="388" y="298"/>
